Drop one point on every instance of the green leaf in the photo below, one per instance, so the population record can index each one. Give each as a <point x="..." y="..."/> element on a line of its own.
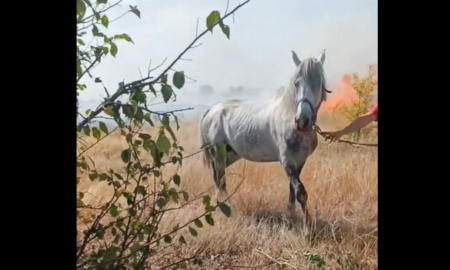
<point x="145" y="136"/>
<point x="193" y="231"/>
<point x="79" y="203"/>
<point x="135" y="248"/>
<point x="126" y="155"/>
<point x="113" y="211"/>
<point x="141" y="190"/>
<point x="161" y="202"/>
<point x="93" y="176"/>
<point x="178" y="79"/>
<point x="81" y="9"/>
<point x="167" y="239"/>
<point x="209" y="219"/>
<point x="146" y="229"/>
<point x="221" y="150"/>
<point x="164" y="78"/>
<point x="185" y="195"/>
<point x="166" y="92"/>
<point x="96" y="133"/>
<point x="226" y="210"/>
<point x="134" y="106"/>
<point x="124" y="36"/>
<point x="108" y="110"/>
<point x="128" y="111"/>
<point x="147" y="118"/>
<point x="80" y="41"/>
<point x="210" y="208"/>
<point x="177" y="179"/>
<point x="95" y="31"/>
<point x="105" y="21"/>
<point x="226" y="30"/>
<point x="198" y="223"/>
<point x="206" y="200"/>
<point x="212" y="19"/>
<point x="182" y="240"/>
<point x="152" y="89"/>
<point x="113" y="49"/>
<point x="135" y="11"/>
<point x="102" y="1"/>
<point x="165" y="121"/>
<point x="87" y="130"/>
<point x="163" y="144"/>
<point x="103" y="127"/>
<point x="79" y="69"/>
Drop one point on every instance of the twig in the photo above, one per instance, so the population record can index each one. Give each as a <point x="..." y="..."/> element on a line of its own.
<point x="150" y="70"/>
<point x="226" y="9"/>
<point x="94" y="144"/>
<point x="183" y="260"/>
<point x="274" y="260"/>
<point x="165" y="113"/>
<point x="196" y="28"/>
<point x="251" y="267"/>
<point x="90" y="66"/>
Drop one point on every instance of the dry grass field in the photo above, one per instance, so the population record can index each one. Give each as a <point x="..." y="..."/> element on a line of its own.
<point x="342" y="186"/>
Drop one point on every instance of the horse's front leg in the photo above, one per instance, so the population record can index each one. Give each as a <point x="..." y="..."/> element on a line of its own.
<point x="296" y="188"/>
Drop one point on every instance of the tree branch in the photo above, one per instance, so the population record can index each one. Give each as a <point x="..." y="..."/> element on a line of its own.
<point x="124" y="88"/>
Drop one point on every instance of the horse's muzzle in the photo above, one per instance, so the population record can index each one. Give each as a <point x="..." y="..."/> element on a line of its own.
<point x="303" y="124"/>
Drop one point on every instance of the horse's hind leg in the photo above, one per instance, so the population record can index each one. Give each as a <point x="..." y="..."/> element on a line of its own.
<point x="296" y="189"/>
<point x="219" y="165"/>
<point x="219" y="178"/>
<point x="291" y="201"/>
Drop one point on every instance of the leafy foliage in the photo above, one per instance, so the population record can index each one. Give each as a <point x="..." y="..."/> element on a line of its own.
<point x="364" y="89"/>
<point x="126" y="231"/>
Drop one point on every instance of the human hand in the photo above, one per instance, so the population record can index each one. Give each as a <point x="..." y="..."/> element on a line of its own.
<point x="333" y="136"/>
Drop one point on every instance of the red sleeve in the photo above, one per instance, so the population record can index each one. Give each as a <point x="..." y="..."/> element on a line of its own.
<point x="374" y="111"/>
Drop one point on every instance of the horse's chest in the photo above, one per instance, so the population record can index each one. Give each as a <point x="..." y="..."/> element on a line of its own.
<point x="299" y="147"/>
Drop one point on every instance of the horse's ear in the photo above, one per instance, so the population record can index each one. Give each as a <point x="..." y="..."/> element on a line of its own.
<point x="295" y="58"/>
<point x="321" y="57"/>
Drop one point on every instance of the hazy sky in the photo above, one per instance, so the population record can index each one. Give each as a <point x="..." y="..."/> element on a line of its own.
<point x="258" y="54"/>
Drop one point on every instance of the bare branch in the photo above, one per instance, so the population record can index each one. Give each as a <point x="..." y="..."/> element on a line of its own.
<point x="226" y="9"/>
<point x="158" y="66"/>
<point x="198" y="45"/>
<point x="196" y="28"/>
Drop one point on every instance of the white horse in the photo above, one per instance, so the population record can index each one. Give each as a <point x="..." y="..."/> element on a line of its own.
<point x="279" y="129"/>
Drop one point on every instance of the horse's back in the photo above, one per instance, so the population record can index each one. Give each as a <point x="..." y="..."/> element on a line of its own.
<point x="245" y="126"/>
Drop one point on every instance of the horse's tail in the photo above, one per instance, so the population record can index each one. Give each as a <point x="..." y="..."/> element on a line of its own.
<point x="204" y="144"/>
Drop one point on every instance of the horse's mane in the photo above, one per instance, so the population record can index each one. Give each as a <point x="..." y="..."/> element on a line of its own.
<point x="310" y="70"/>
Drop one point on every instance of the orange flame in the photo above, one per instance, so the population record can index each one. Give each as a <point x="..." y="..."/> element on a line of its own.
<point x="343" y="94"/>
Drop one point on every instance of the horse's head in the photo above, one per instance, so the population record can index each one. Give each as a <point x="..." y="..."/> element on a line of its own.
<point x="310" y="88"/>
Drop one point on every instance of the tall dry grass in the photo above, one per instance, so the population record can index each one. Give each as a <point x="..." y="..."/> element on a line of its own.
<point x="342" y="186"/>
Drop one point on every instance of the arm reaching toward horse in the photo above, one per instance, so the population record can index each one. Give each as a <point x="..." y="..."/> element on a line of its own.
<point x="360" y="122"/>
